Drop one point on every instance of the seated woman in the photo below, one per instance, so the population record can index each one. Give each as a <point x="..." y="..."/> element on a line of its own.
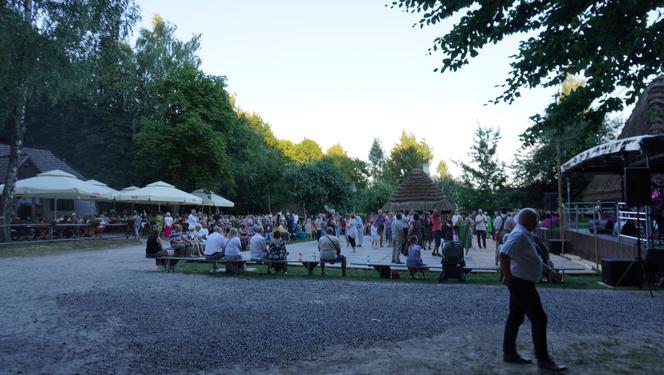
<point x="154" y="248"/>
<point x="277" y="252"/>
<point x="233" y="246"/>
<point x="192" y="236"/>
<point x="414" y="255"/>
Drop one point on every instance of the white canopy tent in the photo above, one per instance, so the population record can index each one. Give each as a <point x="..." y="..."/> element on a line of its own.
<point x="57" y="184"/>
<point x="157" y="193"/>
<point x="130" y="188"/>
<point x="212" y="199"/>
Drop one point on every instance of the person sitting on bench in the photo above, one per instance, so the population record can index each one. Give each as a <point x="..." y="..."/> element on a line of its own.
<point x="154" y="248"/>
<point x="330" y="250"/>
<point x="414" y="259"/>
<point x="214" y="247"/>
<point x="257" y="244"/>
<point x="179" y="243"/>
<point x="233" y="246"/>
<point x="277" y="252"/>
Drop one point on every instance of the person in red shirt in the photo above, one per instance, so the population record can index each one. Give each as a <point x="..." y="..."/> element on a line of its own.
<point x="437" y="229"/>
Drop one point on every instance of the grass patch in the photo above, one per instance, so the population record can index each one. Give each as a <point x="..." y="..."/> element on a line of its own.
<point x="298" y="272"/>
<point x="62" y="247"/>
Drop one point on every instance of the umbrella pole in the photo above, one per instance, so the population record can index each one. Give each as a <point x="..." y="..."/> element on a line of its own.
<point x="55" y="209"/>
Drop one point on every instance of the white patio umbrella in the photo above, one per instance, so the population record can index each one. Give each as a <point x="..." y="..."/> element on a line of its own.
<point x="158" y="192"/>
<point x="105" y="189"/>
<point x="130" y="188"/>
<point x="57" y="184"/>
<point x="212" y="199"/>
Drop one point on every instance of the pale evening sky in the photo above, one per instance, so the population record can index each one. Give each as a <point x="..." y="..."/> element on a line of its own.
<point x="347" y="71"/>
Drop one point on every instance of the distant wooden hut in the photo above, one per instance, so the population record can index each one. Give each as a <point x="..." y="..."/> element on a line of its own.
<point x="418" y="192"/>
<point x="647" y="118"/>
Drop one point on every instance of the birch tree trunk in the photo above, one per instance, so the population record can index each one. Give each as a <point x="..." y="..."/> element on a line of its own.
<point x="16" y="136"/>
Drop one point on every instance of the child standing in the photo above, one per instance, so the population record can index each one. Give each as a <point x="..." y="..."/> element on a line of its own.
<point x="374" y="235"/>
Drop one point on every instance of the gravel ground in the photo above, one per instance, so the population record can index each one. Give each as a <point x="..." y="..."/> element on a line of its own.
<point x="111" y="312"/>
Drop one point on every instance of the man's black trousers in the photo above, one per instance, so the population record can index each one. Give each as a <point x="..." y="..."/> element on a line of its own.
<point x="525" y="301"/>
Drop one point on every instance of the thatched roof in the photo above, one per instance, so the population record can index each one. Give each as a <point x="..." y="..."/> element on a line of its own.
<point x="418" y="192"/>
<point x="647" y="118"/>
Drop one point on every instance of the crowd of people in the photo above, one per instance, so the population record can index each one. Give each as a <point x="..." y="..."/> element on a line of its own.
<point x="521" y="263"/>
<point x="408" y="233"/>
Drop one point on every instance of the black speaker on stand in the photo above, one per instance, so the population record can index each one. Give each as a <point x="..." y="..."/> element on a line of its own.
<point x="551" y="201"/>
<point x="637" y="187"/>
<point x="637" y="193"/>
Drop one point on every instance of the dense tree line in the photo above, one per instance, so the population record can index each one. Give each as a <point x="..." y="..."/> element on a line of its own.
<point x="133" y="112"/>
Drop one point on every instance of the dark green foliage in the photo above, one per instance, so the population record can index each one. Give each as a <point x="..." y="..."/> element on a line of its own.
<point x="484" y="177"/>
<point x="312" y="185"/>
<point x="614" y="44"/>
<point x="375" y="196"/>
<point x="407" y="154"/>
<point x="376" y="160"/>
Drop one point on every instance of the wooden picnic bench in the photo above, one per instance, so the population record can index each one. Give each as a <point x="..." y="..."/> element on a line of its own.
<point x="232" y="267"/>
<point x="385" y="269"/>
<point x="310" y="265"/>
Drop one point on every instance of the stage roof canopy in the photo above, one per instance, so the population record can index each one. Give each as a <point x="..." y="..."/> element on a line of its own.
<point x="613" y="157"/>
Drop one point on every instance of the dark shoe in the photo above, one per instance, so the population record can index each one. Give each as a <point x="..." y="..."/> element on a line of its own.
<point x="517" y="359"/>
<point x="551" y="366"/>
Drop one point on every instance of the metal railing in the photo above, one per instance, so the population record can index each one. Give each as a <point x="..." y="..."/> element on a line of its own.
<point x="579" y="214"/>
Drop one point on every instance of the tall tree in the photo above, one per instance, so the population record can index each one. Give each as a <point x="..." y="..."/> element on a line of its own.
<point x="442" y="170"/>
<point x="336" y="150"/>
<point x="41" y="42"/>
<point x="613" y="44"/>
<point x="376" y="160"/>
<point x="316" y="184"/>
<point x="485" y="175"/>
<point x="407" y="154"/>
<point x="159" y="52"/>
<point x="190" y="145"/>
<point x="304" y="152"/>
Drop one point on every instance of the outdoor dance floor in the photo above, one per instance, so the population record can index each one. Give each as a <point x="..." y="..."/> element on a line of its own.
<point x="477" y="258"/>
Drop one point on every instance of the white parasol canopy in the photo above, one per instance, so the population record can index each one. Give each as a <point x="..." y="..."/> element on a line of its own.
<point x="130" y="188"/>
<point x="158" y="192"/>
<point x="57" y="184"/>
<point x="105" y="189"/>
<point x="212" y="199"/>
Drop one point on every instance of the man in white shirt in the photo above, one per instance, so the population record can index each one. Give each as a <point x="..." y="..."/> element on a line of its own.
<point x="257" y="244"/>
<point x="360" y="230"/>
<point x="502" y="225"/>
<point x="214" y="247"/>
<point x="351" y="231"/>
<point x="192" y="220"/>
<point x="522" y="267"/>
<point x="330" y="251"/>
<point x="480" y="228"/>
<point x="455" y="224"/>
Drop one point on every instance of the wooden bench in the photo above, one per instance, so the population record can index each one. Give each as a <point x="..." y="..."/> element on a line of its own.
<point x="310" y="265"/>
<point x="232" y="267"/>
<point x="385" y="269"/>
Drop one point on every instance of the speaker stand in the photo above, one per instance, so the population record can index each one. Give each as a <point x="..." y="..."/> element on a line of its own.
<point x="638" y="260"/>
